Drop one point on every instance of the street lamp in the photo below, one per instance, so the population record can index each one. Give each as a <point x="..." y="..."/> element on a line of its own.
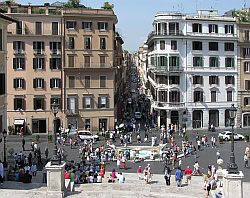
<point x="232" y="167"/>
<point x="4" y="148"/>
<point x="55" y="160"/>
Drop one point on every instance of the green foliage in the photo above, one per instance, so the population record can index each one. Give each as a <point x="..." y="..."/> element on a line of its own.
<point x="55" y="12"/>
<point x="247" y="138"/>
<point x="107" y="6"/>
<point x="242" y="15"/>
<point x="11" y="129"/>
<point x="50" y="138"/>
<point x="220" y="139"/>
<point x="37" y="11"/>
<point x="37" y="138"/>
<point x="73" y="4"/>
<point x="186" y="138"/>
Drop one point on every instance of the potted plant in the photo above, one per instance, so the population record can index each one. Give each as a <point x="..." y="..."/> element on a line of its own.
<point x="186" y="138"/>
<point x="247" y="138"/>
<point x="11" y="130"/>
<point x="220" y="140"/>
<point x="37" y="138"/>
<point x="50" y="138"/>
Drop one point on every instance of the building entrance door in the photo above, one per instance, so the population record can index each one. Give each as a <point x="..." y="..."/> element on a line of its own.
<point x="103" y="124"/>
<point x="175" y="118"/>
<point x="246" y="120"/>
<point x="197" y="119"/>
<point x="214" y="117"/>
<point x="39" y="126"/>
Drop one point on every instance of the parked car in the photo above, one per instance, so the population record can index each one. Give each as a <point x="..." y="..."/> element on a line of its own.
<point x="226" y="135"/>
<point x="87" y="135"/>
<point x="137" y="115"/>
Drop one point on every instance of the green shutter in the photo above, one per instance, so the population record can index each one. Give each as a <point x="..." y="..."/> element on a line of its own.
<point x="233" y="62"/>
<point x="158" y="62"/>
<point x="202" y="61"/>
<point x="170" y="62"/>
<point x="178" y="61"/>
<point x="218" y="62"/>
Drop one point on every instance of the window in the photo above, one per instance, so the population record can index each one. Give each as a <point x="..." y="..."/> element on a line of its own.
<point x="213" y="28"/>
<point x="87" y="61"/>
<point x="197" y="80"/>
<point x="19" y="103"/>
<point x="246" y="67"/>
<point x="19" y="63"/>
<point x="1" y="39"/>
<point x="213" y="62"/>
<point x="18" y="47"/>
<point x="38" y="28"/>
<point x="174" y="61"/>
<point x="102" y="81"/>
<point x="162" y="61"/>
<point x="87" y="25"/>
<point x="229" y="46"/>
<point x="174" y="96"/>
<point x="38" y="83"/>
<point x="197" y="45"/>
<point x="57" y="100"/>
<point x="87" y="124"/>
<point x="197" y="61"/>
<point x="229" y="29"/>
<point x="38" y="63"/>
<point x="213" y="46"/>
<point x="102" y="26"/>
<point x="103" y="102"/>
<point x="55" y="63"/>
<point x="102" y="61"/>
<point x="246" y="52"/>
<point x="163" y="96"/>
<point x="88" y="102"/>
<point x="72" y="104"/>
<point x="198" y="96"/>
<point x="2" y="84"/>
<point x="39" y="103"/>
<point x="162" y="45"/>
<point x="102" y="43"/>
<point x="247" y="84"/>
<point x="213" y="96"/>
<point x="174" y="28"/>
<point x="55" y="47"/>
<point x="19" y="27"/>
<point x="55" y="83"/>
<point x="70" y="24"/>
<point x="71" y="61"/>
<point x="197" y="27"/>
<point x="87" y="43"/>
<point x="229" y="96"/>
<point x="229" y="62"/>
<point x="71" y="43"/>
<point x="246" y="101"/>
<point x="174" y="80"/>
<point x="246" y="35"/>
<point x="19" y="83"/>
<point x="213" y="80"/>
<point x="229" y="80"/>
<point x="38" y="47"/>
<point x="173" y="45"/>
<point x="87" y="81"/>
<point x="71" y="81"/>
<point x="54" y="28"/>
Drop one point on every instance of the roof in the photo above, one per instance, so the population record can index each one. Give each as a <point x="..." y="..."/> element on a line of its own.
<point x="9" y="18"/>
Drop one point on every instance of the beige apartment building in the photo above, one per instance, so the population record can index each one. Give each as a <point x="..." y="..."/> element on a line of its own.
<point x="244" y="72"/>
<point x="89" y="68"/>
<point x="34" y="62"/>
<point x="4" y="22"/>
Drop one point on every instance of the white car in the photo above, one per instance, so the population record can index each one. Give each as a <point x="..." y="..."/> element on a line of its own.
<point x="226" y="135"/>
<point x="87" y="135"/>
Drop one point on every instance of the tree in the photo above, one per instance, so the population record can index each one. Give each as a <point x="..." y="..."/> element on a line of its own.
<point x="107" y="6"/>
<point x="73" y="4"/>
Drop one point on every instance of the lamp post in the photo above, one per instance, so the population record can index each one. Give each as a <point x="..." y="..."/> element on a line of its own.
<point x="55" y="160"/>
<point x="4" y="148"/>
<point x="232" y="167"/>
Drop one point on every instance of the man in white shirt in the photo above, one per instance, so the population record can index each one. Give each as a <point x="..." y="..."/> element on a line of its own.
<point x="121" y="178"/>
<point x="99" y="179"/>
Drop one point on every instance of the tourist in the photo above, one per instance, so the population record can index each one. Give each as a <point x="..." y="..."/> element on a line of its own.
<point x="196" y="169"/>
<point x="1" y="172"/>
<point x="217" y="155"/>
<point x="44" y="175"/>
<point x="121" y="178"/>
<point x="139" y="172"/>
<point x="167" y="175"/>
<point x="188" y="174"/>
<point x="146" y="176"/>
<point x="113" y="174"/>
<point x="27" y="177"/>
<point x="118" y="162"/>
<point x="23" y="144"/>
<point x="33" y="169"/>
<point x="178" y="177"/>
<point x="245" y="161"/>
<point x="99" y="179"/>
<point x="46" y="152"/>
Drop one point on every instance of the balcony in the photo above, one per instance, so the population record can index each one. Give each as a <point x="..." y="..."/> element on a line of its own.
<point x="169" y="105"/>
<point x="167" y="33"/>
<point x="72" y="112"/>
<point x="95" y="65"/>
<point x="55" y="52"/>
<point x="19" y="52"/>
<point x="39" y="52"/>
<point x="176" y="68"/>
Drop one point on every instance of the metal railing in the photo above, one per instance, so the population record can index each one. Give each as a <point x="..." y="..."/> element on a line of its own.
<point x="72" y="111"/>
<point x="55" y="52"/>
<point x="39" y="52"/>
<point x="169" y="104"/>
<point x="19" y="51"/>
<point x="95" y="65"/>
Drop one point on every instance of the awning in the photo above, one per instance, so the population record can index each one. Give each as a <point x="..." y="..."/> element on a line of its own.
<point x="18" y="122"/>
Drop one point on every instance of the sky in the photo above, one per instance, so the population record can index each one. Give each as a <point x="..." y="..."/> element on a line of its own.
<point x="135" y="17"/>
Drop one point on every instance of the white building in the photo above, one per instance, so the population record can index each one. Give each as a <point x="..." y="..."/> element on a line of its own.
<point x="192" y="69"/>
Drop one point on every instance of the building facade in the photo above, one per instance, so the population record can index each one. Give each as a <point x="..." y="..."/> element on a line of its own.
<point x="61" y="55"/>
<point x="89" y="68"/>
<point x="4" y="22"/>
<point x="192" y="69"/>
<point x="244" y="72"/>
